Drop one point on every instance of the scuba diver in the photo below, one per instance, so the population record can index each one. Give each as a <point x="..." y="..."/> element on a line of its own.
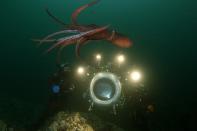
<point x="60" y="88"/>
<point x="67" y="92"/>
<point x="143" y="109"/>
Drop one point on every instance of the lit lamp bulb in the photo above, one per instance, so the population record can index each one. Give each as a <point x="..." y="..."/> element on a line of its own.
<point x="120" y="59"/>
<point x="98" y="57"/>
<point x="135" y="76"/>
<point x="80" y="70"/>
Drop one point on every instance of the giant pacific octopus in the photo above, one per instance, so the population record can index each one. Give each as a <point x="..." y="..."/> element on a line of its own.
<point x="81" y="34"/>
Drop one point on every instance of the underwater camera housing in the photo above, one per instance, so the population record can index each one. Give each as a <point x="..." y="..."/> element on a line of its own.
<point x="97" y="85"/>
<point x="105" y="88"/>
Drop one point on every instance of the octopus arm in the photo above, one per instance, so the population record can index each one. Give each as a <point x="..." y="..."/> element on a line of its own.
<point x="55" y="18"/>
<point x="58" y="33"/>
<point x="74" y="38"/>
<point x="80" y="43"/>
<point x="78" y="11"/>
<point x="60" y="42"/>
<point x="49" y="40"/>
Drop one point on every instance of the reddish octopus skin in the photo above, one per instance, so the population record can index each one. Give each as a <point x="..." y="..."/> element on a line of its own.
<point x="116" y="39"/>
<point x="109" y="35"/>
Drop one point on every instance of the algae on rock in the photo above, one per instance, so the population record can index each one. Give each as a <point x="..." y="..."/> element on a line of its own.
<point x="76" y="121"/>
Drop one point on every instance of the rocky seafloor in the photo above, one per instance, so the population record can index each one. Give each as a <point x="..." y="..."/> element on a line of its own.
<point x="74" y="121"/>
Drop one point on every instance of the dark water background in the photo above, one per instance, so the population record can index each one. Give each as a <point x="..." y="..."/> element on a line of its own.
<point x="164" y="34"/>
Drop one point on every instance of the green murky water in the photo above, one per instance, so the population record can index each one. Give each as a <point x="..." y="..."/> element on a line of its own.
<point x="164" y="34"/>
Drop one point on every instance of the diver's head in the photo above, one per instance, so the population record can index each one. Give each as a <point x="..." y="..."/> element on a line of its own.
<point x="121" y="41"/>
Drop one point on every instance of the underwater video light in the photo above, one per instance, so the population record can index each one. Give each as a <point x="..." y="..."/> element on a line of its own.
<point x="105" y="88"/>
<point x="98" y="57"/>
<point x="120" y="59"/>
<point x="80" y="70"/>
<point x="135" y="76"/>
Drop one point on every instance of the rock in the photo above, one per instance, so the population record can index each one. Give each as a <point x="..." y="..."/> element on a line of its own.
<point x="76" y="121"/>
